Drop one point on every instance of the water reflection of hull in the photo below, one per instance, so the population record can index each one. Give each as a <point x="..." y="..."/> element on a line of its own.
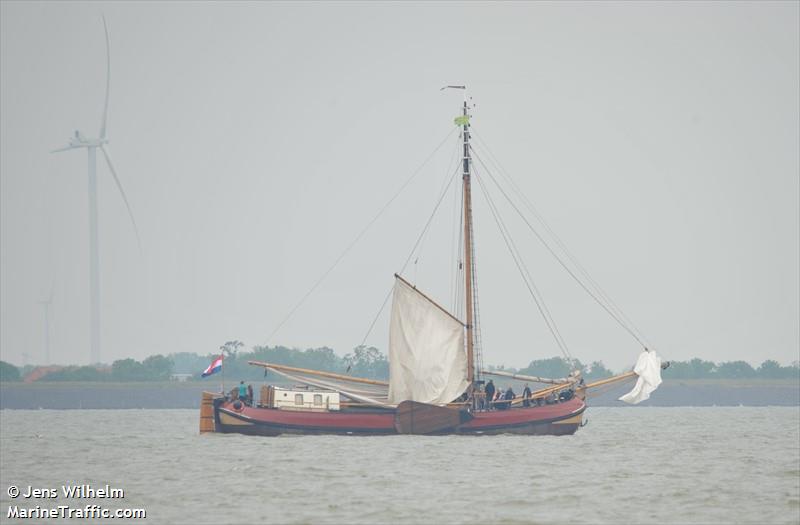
<point x="559" y="419"/>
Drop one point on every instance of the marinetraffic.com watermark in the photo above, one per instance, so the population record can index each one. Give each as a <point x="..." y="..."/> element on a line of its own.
<point x="47" y="506"/>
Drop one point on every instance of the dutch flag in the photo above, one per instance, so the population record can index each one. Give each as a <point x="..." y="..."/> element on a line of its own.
<point x="214" y="367"/>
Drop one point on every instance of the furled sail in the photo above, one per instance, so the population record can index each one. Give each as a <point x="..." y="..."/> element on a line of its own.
<point x="363" y="395"/>
<point x="370" y="391"/>
<point x="648" y="368"/>
<point x="427" y="358"/>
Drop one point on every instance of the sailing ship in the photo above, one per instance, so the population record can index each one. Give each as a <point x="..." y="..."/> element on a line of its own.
<point x="434" y="384"/>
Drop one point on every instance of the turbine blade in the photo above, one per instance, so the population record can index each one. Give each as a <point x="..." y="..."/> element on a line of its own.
<point x="52" y="289"/>
<point x="108" y="81"/>
<point x="124" y="197"/>
<point x="65" y="148"/>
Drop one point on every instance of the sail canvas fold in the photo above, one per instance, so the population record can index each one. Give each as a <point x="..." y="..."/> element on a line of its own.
<point x="648" y="368"/>
<point x="427" y="358"/>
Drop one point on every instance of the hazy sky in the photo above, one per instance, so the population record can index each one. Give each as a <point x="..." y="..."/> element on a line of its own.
<point x="256" y="140"/>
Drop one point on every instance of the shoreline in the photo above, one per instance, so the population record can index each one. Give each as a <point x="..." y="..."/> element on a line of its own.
<point x="186" y="395"/>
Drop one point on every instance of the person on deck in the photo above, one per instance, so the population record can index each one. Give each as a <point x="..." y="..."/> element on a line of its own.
<point x="479" y="398"/>
<point x="499" y="396"/>
<point x="526" y="396"/>
<point x="250" y="395"/>
<point x="242" y="392"/>
<point x="551" y="398"/>
<point x="489" y="394"/>
<point x="510" y="394"/>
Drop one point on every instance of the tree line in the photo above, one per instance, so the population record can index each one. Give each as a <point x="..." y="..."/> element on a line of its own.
<point x="363" y="361"/>
<point x="153" y="368"/>
<point x="699" y="369"/>
<point x="696" y="368"/>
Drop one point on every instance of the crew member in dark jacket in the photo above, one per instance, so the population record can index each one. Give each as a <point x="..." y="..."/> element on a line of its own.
<point x="489" y="394"/>
<point x="510" y="394"/>
<point x="526" y="396"/>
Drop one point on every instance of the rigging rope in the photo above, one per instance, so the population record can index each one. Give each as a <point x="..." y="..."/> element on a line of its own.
<point x="526" y="277"/>
<point x="476" y="311"/>
<point x="421" y="235"/>
<point x="503" y="172"/>
<point x="445" y="184"/>
<point x="377" y="315"/>
<point x="428" y="223"/>
<point x="357" y="238"/>
<point x="458" y="277"/>
<point x="455" y="244"/>
<point x="560" y="261"/>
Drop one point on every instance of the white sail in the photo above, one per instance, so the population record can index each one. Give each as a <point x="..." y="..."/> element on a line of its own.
<point x="427" y="358"/>
<point x="648" y="368"/>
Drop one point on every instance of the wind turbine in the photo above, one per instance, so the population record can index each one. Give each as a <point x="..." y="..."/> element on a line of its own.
<point x="46" y="304"/>
<point x="79" y="141"/>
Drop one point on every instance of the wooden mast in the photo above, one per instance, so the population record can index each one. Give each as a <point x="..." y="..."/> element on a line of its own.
<point x="468" y="250"/>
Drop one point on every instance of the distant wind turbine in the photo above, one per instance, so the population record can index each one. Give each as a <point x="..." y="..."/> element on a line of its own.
<point x="46" y="304"/>
<point x="92" y="144"/>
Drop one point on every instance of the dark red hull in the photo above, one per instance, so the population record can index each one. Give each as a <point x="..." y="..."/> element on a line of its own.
<point x="558" y="419"/>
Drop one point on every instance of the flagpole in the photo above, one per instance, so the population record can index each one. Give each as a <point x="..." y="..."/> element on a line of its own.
<point x="222" y="366"/>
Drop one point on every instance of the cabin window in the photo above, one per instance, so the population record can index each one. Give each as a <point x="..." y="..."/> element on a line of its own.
<point x="298" y="399"/>
<point x="318" y="400"/>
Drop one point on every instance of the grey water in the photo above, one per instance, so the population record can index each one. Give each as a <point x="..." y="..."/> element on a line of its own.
<point x="628" y="465"/>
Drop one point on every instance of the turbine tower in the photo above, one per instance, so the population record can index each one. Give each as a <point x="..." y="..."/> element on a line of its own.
<point x="79" y="141"/>
<point x="46" y="304"/>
